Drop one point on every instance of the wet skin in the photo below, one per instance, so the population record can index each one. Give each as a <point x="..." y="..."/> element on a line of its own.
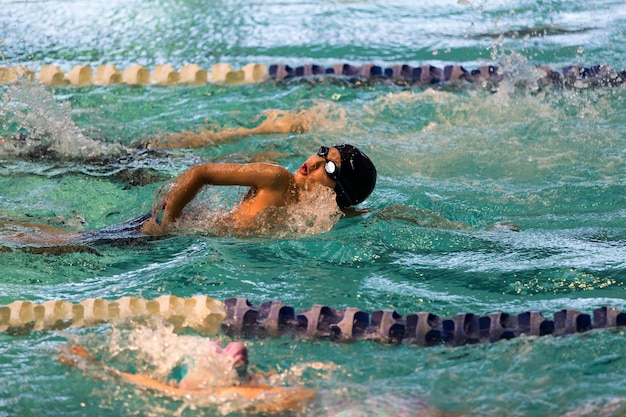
<point x="273" y="186"/>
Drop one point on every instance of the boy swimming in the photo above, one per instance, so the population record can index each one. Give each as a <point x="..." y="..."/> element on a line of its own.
<point x="343" y="169"/>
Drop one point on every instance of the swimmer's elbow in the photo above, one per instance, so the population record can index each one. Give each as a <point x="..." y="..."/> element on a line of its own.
<point x="279" y="179"/>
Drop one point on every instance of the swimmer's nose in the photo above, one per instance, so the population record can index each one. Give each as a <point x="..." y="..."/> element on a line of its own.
<point x="317" y="164"/>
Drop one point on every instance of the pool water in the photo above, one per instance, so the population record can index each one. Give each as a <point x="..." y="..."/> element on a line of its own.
<point x="460" y="167"/>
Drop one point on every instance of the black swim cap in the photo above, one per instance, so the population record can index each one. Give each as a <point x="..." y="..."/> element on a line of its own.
<point x="357" y="176"/>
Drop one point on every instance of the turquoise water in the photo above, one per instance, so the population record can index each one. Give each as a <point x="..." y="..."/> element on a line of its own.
<point x="453" y="161"/>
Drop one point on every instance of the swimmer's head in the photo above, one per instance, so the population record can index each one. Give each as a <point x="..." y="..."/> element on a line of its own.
<point x="357" y="176"/>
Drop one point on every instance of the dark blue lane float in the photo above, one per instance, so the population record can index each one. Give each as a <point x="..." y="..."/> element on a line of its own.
<point x="272" y="319"/>
<point x="570" y="77"/>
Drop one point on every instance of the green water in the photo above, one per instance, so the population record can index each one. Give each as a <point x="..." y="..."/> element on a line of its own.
<point x="453" y="161"/>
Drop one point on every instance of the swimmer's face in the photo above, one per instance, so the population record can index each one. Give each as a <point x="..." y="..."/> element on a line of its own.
<point x="319" y="169"/>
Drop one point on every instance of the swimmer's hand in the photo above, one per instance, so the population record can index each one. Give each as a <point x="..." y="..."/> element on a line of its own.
<point x="78" y="353"/>
<point x="151" y="227"/>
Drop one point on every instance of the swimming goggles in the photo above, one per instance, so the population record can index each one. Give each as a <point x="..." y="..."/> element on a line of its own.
<point x="331" y="169"/>
<point x="332" y="172"/>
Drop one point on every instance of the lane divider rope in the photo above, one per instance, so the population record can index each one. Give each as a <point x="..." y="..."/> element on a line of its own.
<point x="238" y="317"/>
<point x="573" y="76"/>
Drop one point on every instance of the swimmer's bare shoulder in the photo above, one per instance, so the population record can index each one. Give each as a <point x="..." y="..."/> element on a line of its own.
<point x="273" y="184"/>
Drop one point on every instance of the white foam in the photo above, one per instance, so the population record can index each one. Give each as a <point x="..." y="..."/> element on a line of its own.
<point x="316" y="212"/>
<point x="49" y="126"/>
<point x="159" y="349"/>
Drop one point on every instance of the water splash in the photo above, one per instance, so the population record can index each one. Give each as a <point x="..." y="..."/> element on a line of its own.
<point x="46" y="128"/>
<point x="518" y="73"/>
<point x="316" y="212"/>
<point x="159" y="350"/>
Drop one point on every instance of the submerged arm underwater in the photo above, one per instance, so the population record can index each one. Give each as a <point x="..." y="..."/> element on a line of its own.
<point x="272" y="122"/>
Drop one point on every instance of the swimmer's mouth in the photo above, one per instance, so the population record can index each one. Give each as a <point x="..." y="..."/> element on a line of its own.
<point x="304" y="169"/>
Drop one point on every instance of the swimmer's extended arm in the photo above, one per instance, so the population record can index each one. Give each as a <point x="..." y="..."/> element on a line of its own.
<point x="259" y="175"/>
<point x="274" y="121"/>
<point x="248" y="392"/>
<point x="265" y="399"/>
